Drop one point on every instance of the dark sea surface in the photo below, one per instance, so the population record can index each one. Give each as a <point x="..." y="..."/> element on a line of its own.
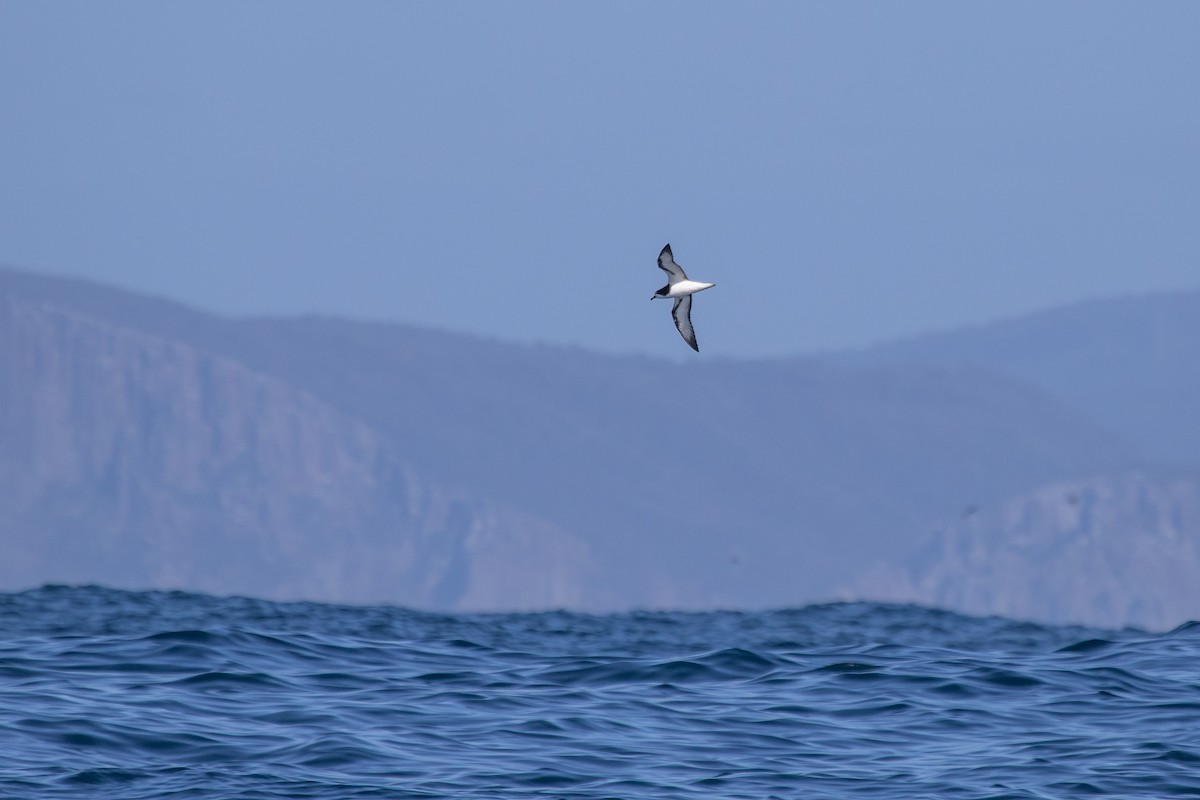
<point x="166" y="695"/>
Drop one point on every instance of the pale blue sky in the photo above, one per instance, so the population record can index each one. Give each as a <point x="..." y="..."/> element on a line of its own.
<point x="845" y="172"/>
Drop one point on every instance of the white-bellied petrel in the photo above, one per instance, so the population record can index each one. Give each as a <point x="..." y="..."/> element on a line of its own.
<point x="679" y="287"/>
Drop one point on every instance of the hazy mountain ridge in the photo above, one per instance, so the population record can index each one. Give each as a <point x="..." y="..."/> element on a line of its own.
<point x="782" y="481"/>
<point x="1124" y="549"/>
<point x="143" y="462"/>
<point x="1130" y="363"/>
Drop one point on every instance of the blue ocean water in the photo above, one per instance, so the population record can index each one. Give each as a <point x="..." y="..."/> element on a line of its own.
<point x="130" y="695"/>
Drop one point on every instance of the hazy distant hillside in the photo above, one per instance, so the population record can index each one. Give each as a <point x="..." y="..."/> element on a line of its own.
<point x="1124" y="549"/>
<point x="1133" y="364"/>
<point x="137" y="461"/>
<point x="710" y="483"/>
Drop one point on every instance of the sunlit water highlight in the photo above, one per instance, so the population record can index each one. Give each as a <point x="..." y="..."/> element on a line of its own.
<point x="146" y="695"/>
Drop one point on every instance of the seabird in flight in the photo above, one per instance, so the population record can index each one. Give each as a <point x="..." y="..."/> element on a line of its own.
<point x="679" y="287"/>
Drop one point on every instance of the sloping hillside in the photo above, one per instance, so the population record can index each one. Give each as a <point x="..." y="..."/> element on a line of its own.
<point x="1117" y="550"/>
<point x="1129" y="363"/>
<point x="711" y="483"/>
<point x="137" y="461"/>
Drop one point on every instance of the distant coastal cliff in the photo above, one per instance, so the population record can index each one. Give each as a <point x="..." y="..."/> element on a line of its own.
<point x="147" y="445"/>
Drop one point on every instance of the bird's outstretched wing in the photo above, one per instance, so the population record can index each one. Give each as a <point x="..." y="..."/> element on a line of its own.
<point x="682" y="312"/>
<point x="666" y="262"/>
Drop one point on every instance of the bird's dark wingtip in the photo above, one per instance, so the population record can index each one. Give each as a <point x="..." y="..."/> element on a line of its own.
<point x="666" y="249"/>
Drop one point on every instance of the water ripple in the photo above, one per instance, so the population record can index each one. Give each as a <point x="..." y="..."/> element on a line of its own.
<point x="149" y="695"/>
